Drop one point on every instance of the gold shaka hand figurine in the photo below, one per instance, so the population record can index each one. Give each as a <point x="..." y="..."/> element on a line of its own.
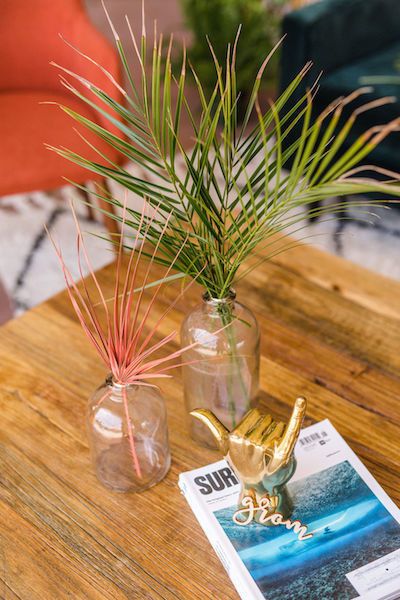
<point x="260" y="451"/>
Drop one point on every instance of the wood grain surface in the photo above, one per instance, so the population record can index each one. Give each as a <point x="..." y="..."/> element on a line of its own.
<point x="330" y="331"/>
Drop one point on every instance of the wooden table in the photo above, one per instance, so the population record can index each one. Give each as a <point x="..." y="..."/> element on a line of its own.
<point x="330" y="331"/>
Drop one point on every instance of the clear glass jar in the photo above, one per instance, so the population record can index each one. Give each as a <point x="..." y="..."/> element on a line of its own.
<point x="225" y="376"/>
<point x="128" y="436"/>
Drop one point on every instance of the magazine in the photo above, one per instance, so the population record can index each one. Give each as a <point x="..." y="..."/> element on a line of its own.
<point x="354" y="551"/>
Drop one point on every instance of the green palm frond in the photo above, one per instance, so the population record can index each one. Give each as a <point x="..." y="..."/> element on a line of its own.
<point x="234" y="192"/>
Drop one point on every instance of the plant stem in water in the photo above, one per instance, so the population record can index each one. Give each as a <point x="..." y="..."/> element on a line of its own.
<point x="130" y="436"/>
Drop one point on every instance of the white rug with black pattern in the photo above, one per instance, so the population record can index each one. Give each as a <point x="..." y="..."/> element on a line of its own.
<point x="29" y="267"/>
<point x="30" y="270"/>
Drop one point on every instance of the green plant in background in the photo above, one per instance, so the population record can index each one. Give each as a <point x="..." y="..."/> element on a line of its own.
<point x="218" y="22"/>
<point x="234" y="198"/>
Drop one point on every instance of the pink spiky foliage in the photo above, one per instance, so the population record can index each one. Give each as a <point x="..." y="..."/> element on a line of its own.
<point x="116" y="327"/>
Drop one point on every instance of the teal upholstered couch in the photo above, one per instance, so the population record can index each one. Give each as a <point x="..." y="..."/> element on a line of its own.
<point x="348" y="40"/>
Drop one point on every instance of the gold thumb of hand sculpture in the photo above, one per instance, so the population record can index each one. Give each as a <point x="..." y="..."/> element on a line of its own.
<point x="260" y="450"/>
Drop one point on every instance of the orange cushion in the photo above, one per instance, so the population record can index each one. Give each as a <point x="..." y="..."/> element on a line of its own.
<point x="26" y="125"/>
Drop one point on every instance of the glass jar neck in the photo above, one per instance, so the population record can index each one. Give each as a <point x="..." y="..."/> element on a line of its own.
<point x="228" y="299"/>
<point x="218" y="305"/>
<point x="116" y="388"/>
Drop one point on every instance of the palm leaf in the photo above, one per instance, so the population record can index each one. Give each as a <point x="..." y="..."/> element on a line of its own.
<point x="231" y="192"/>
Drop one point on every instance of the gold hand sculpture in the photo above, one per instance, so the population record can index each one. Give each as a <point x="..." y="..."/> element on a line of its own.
<point x="260" y="451"/>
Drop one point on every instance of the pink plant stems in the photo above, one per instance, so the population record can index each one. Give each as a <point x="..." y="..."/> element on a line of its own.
<point x="120" y="339"/>
<point x="131" y="438"/>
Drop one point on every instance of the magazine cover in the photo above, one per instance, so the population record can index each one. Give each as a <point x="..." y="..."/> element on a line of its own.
<point x="354" y="551"/>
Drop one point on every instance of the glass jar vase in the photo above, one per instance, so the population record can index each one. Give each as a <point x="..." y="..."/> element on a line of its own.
<point x="224" y="374"/>
<point x="128" y="436"/>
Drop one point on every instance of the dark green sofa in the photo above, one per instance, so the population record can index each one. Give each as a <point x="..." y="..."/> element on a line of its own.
<point x="348" y="40"/>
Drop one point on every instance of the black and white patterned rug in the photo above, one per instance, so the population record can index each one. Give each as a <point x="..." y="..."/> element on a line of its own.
<point x="31" y="274"/>
<point x="29" y="268"/>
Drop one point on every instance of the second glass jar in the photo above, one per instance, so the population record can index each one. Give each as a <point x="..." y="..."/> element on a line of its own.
<point x="224" y="374"/>
<point x="128" y="436"/>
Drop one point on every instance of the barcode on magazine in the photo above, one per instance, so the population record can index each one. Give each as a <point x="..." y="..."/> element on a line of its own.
<point x="313" y="437"/>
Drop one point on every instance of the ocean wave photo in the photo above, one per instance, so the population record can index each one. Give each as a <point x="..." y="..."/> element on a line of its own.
<point x="350" y="527"/>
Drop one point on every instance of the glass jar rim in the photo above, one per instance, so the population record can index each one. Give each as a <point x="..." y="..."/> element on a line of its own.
<point x="110" y="381"/>
<point x="230" y="297"/>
